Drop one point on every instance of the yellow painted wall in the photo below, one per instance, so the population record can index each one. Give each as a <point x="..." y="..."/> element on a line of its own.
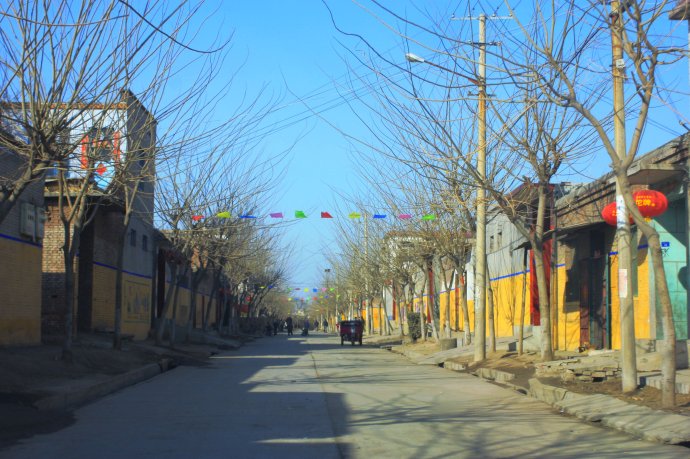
<point x="20" y="293"/>
<point x="641" y="301"/>
<point x="205" y="300"/>
<point x="568" y="318"/>
<point x="136" y="302"/>
<point x="103" y="298"/>
<point x="508" y="302"/>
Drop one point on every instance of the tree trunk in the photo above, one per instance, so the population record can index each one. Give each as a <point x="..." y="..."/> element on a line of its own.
<point x="540" y="271"/>
<point x="465" y="309"/>
<point x="160" y="324"/>
<point x="492" y="324"/>
<point x="117" y="332"/>
<point x="69" y="250"/>
<point x="173" y="324"/>
<point x="521" y="334"/>
<point x="446" y="312"/>
<point x="668" y="352"/>
<point x="214" y="289"/>
<point x="67" y="354"/>
<point x="433" y="301"/>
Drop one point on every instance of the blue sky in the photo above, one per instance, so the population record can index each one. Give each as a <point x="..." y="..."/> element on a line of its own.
<point x="292" y="47"/>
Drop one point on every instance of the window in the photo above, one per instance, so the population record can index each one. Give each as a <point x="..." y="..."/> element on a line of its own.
<point x="491" y="244"/>
<point x="133" y="238"/>
<point x="499" y="238"/>
<point x="144" y="243"/>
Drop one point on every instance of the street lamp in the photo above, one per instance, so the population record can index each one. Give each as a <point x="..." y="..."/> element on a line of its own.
<point x="480" y="251"/>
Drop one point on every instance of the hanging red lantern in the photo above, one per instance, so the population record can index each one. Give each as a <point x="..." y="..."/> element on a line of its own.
<point x="651" y="203"/>
<point x="610" y="214"/>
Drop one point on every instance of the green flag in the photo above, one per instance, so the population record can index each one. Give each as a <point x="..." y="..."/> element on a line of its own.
<point x="429" y="217"/>
<point x="300" y="214"/>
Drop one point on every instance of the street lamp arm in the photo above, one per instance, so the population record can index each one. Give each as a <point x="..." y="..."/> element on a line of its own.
<point x="410" y="57"/>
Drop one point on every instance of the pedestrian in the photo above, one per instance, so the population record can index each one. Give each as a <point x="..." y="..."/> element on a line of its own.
<point x="288" y="324"/>
<point x="325" y="325"/>
<point x="276" y="323"/>
<point x="305" y="327"/>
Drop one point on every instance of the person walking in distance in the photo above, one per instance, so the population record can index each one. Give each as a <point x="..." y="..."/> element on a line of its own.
<point x="288" y="324"/>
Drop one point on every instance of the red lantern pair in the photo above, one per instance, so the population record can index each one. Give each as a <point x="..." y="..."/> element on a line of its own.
<point x="651" y="203"/>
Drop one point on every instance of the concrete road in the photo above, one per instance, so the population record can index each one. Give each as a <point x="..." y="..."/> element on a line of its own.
<point x="299" y="397"/>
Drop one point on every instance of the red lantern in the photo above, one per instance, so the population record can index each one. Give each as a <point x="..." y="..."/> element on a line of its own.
<point x="610" y="214"/>
<point x="650" y="202"/>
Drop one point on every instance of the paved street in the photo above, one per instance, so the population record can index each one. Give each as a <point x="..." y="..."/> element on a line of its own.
<point x="297" y="397"/>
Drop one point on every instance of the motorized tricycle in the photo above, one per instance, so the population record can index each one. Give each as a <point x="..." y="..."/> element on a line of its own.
<point x="351" y="330"/>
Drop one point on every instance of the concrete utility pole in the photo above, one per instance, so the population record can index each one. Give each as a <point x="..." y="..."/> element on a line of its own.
<point x="481" y="281"/>
<point x="625" y="293"/>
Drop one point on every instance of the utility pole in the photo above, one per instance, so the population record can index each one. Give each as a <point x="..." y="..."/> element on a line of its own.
<point x="480" y="307"/>
<point x="481" y="280"/>
<point x="625" y="295"/>
<point x="369" y="306"/>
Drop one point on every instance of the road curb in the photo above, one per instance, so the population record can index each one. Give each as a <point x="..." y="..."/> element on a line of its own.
<point x="639" y="421"/>
<point x="81" y="395"/>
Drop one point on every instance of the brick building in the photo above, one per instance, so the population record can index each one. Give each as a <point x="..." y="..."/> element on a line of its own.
<point x="126" y="137"/>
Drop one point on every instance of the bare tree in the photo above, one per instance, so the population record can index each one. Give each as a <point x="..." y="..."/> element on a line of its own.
<point x="573" y="32"/>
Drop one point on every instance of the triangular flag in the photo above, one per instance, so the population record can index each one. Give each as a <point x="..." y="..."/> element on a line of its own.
<point x="379" y="216"/>
<point x="429" y="217"/>
<point x="300" y="214"/>
<point x="354" y="215"/>
<point x="326" y="215"/>
<point x="404" y="216"/>
<point x="247" y="216"/>
<point x="306" y="290"/>
<point x="196" y="218"/>
<point x="315" y="290"/>
<point x="225" y="214"/>
<point x="277" y="215"/>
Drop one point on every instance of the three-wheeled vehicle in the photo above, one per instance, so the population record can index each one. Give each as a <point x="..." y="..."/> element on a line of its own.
<point x="351" y="330"/>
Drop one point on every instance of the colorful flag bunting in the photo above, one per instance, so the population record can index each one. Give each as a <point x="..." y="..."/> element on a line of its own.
<point x="429" y="217"/>
<point x="276" y="215"/>
<point x="225" y="214"/>
<point x="326" y="215"/>
<point x="300" y="214"/>
<point x="196" y="218"/>
<point x="379" y="216"/>
<point x="354" y="215"/>
<point x="404" y="216"/>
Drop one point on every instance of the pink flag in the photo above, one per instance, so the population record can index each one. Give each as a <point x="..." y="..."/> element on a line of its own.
<point x="404" y="216"/>
<point x="277" y="215"/>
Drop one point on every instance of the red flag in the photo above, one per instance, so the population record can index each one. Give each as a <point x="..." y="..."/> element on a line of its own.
<point x="196" y="218"/>
<point x="326" y="215"/>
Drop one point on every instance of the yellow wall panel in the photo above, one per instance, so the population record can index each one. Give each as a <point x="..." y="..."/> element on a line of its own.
<point x="20" y="293"/>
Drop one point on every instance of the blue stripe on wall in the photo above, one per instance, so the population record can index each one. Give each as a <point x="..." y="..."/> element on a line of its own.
<point x="124" y="271"/>
<point x="16" y="239"/>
